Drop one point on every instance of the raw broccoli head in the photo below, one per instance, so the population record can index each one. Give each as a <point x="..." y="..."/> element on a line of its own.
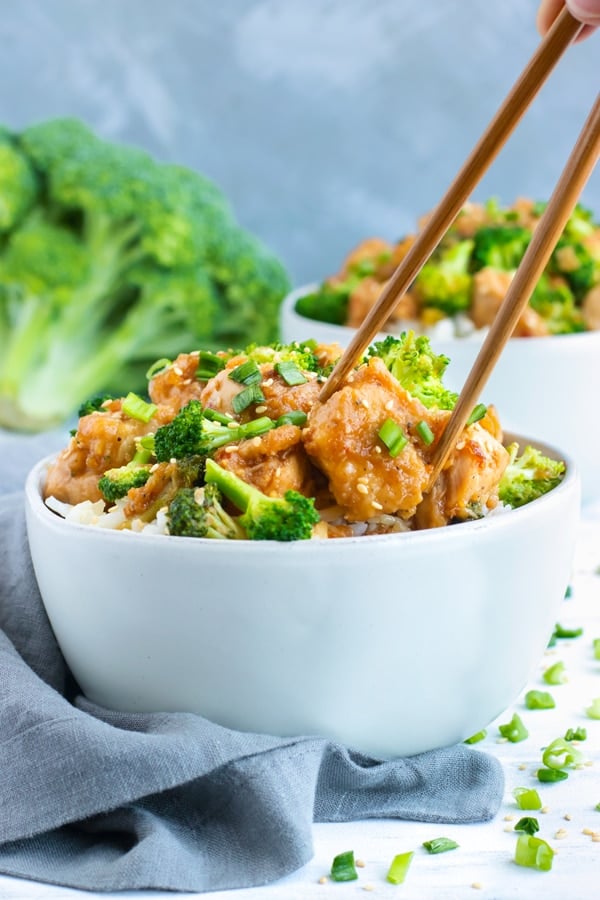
<point x="116" y="483"/>
<point x="500" y="246"/>
<point x="444" y="282"/>
<point x="287" y="518"/>
<point x="18" y="183"/>
<point x="556" y="305"/>
<point x="528" y="476"/>
<point x="419" y="370"/>
<point x="192" y="432"/>
<point x="199" y="513"/>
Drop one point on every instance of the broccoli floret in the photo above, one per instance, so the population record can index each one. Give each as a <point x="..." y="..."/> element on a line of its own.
<point x="287" y="518"/>
<point x="419" y="370"/>
<point x="329" y="303"/>
<point x="301" y="353"/>
<point x="193" y="433"/>
<point x="576" y="264"/>
<point x="149" y="262"/>
<point x="199" y="513"/>
<point x="500" y="246"/>
<point x="18" y="183"/>
<point x="556" y="305"/>
<point x="580" y="224"/>
<point x="94" y="404"/>
<point x="444" y="282"/>
<point x="528" y="476"/>
<point x="116" y="483"/>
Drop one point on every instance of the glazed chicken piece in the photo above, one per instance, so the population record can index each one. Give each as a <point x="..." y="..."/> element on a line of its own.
<point x="275" y="462"/>
<point x="373" y="249"/>
<point x="590" y="309"/>
<point x="175" y="386"/>
<point x="279" y="397"/>
<point x="489" y="289"/>
<point x="365" y="296"/>
<point x="342" y="438"/>
<point x="165" y="480"/>
<point x="104" y="440"/>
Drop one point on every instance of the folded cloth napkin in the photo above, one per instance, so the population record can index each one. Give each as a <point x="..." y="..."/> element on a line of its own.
<point x="108" y="801"/>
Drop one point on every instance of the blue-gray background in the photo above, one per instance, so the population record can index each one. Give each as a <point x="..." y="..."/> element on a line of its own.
<point x="323" y="120"/>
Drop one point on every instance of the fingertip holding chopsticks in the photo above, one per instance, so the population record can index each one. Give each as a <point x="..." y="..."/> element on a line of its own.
<point x="562" y="202"/>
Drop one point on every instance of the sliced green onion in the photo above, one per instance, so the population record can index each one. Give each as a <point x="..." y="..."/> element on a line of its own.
<point x="560" y="753"/>
<point x="596" y="648"/>
<point x="290" y="373"/>
<point x="568" y="591"/>
<point x="534" y="853"/>
<point x="393" y="437"/>
<point x="209" y="365"/>
<point x="213" y="416"/>
<point x="257" y="427"/>
<point x="246" y="373"/>
<point x="475" y="738"/>
<point x="593" y="711"/>
<point x="514" y="731"/>
<point x="555" y="674"/>
<point x="548" y="776"/>
<point x="137" y="408"/>
<point x="251" y="394"/>
<point x="527" y="798"/>
<point x="528" y="824"/>
<point x="597" y="807"/>
<point x="425" y="433"/>
<point x="343" y="868"/>
<point x="159" y="366"/>
<point x="294" y="417"/>
<point x="478" y="413"/>
<point x="560" y="632"/>
<point x="440" y="845"/>
<point x="539" y="700"/>
<point x="576" y="734"/>
<point x="399" y="868"/>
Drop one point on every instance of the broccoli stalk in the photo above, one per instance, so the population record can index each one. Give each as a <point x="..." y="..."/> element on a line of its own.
<point x="199" y="513"/>
<point x="444" y="283"/>
<point x="528" y="476"/>
<point x="117" y="260"/>
<point x="287" y="518"/>
<point x="419" y="370"/>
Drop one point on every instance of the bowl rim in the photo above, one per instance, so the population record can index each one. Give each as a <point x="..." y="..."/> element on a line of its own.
<point x="288" y="308"/>
<point x="432" y="536"/>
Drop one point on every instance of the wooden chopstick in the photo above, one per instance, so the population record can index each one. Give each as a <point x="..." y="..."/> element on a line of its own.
<point x="576" y="172"/>
<point x="537" y="70"/>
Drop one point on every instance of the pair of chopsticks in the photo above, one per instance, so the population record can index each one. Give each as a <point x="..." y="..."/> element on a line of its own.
<point x="549" y="228"/>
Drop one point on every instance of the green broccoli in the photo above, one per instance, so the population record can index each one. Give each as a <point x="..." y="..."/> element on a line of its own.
<point x="329" y="303"/>
<point x="111" y="259"/>
<point x="287" y="518"/>
<point x="301" y="353"/>
<point x="192" y="432"/>
<point x="444" y="282"/>
<point x="94" y="404"/>
<point x="500" y="246"/>
<point x="528" y="476"/>
<point x="419" y="370"/>
<point x="199" y="513"/>
<point x="116" y="483"/>
<point x="557" y="307"/>
<point x="576" y="265"/>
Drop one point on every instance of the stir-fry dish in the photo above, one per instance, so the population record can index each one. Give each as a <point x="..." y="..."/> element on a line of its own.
<point x="237" y="445"/>
<point x="459" y="291"/>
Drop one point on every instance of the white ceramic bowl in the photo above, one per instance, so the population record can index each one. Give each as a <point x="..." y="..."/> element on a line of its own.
<point x="391" y="644"/>
<point x="548" y="386"/>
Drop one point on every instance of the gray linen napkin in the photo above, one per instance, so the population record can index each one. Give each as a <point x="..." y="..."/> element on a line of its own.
<point x="108" y="801"/>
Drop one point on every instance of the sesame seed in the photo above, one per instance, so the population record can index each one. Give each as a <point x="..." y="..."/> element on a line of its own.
<point x="476" y="885"/>
<point x="568" y="816"/>
<point x="362" y="488"/>
<point x="172" y="460"/>
<point x="261" y="409"/>
<point x="153" y="468"/>
<point x="501" y="740"/>
<point x="178" y="370"/>
<point x="368" y="887"/>
<point x="389" y="405"/>
<point x="561" y="833"/>
<point x="522" y="767"/>
<point x="187" y="381"/>
<point x="230" y="448"/>
<point x="256" y="441"/>
<point x="359" y="863"/>
<point x="376" y="505"/>
<point x="545" y="809"/>
<point x="587" y="831"/>
<point x="377" y="448"/>
<point x="267" y="382"/>
<point x="195" y="353"/>
<point x="350" y="378"/>
<point x="323" y="879"/>
<point x="596" y="838"/>
<point x="233" y="424"/>
<point x="508" y="828"/>
<point x="589" y="762"/>
<point x="509" y="818"/>
<point x="365" y="403"/>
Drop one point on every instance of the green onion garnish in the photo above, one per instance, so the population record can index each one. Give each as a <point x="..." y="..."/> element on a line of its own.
<point x="527" y="798"/>
<point x="576" y="734"/>
<point x="246" y="373"/>
<point x="393" y="437"/>
<point x="478" y="413"/>
<point x="555" y="674"/>
<point x="399" y="867"/>
<point x="560" y="753"/>
<point x="548" y="776"/>
<point x="343" y="868"/>
<point x="294" y="417"/>
<point x="213" y="416"/>
<point x="425" y="433"/>
<point x="251" y="394"/>
<point x="475" y="738"/>
<point x="209" y="365"/>
<point x="560" y="632"/>
<point x="539" y="700"/>
<point x="528" y="824"/>
<point x="568" y="592"/>
<point x="593" y="711"/>
<point x="257" y="426"/>
<point x="534" y="853"/>
<point x="440" y="845"/>
<point x="596" y="645"/>
<point x="137" y="408"/>
<point x="159" y="366"/>
<point x="514" y="731"/>
<point x="290" y="373"/>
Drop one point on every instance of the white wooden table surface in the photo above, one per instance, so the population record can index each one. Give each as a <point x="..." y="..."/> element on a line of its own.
<point x="483" y="865"/>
